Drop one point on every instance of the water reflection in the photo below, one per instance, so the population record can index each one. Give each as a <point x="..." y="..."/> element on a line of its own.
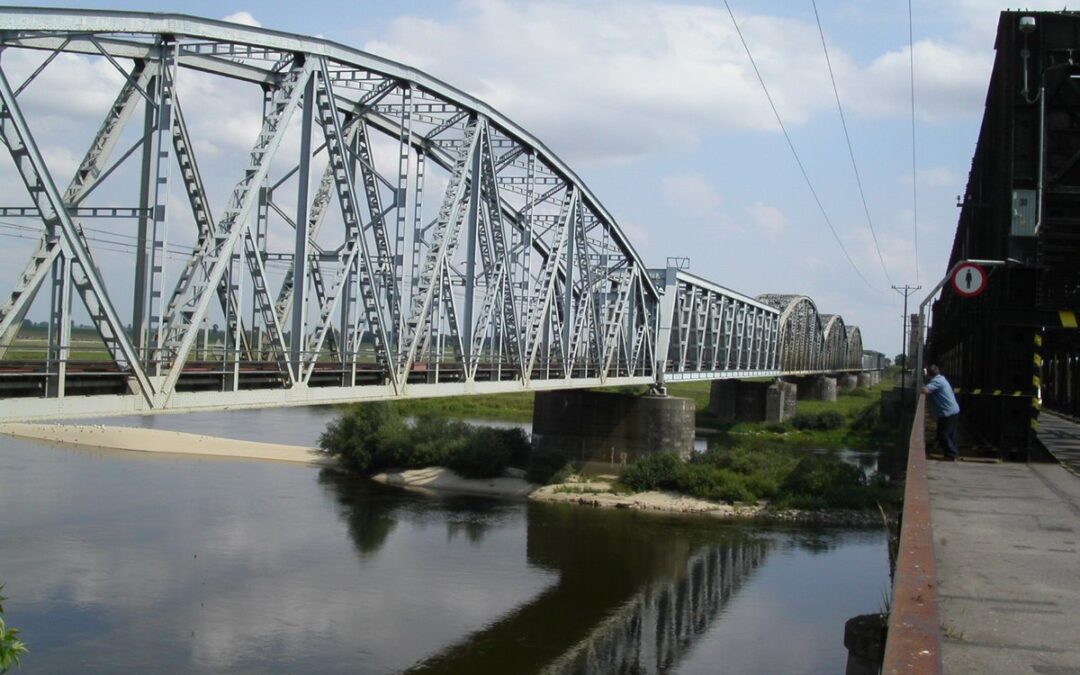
<point x="630" y="597"/>
<point x="132" y="563"/>
<point x="371" y="511"/>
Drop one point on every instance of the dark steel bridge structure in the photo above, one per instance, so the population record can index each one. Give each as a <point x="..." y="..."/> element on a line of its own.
<point x="256" y="218"/>
<point x="1015" y="347"/>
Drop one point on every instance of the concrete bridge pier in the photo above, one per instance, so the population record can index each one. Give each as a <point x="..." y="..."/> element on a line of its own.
<point x="816" y="387"/>
<point x="599" y="428"/>
<point x="865" y="380"/>
<point x="847" y="382"/>
<point x="733" y="401"/>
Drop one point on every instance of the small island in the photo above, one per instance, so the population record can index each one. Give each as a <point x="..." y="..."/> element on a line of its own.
<point x="778" y="471"/>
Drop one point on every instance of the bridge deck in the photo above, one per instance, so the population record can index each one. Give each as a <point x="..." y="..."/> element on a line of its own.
<point x="1061" y="437"/>
<point x="1006" y="549"/>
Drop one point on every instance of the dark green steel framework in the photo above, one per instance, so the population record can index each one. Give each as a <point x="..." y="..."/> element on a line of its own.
<point x="1017" y="342"/>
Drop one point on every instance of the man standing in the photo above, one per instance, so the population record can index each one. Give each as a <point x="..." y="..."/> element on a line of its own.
<point x="943" y="402"/>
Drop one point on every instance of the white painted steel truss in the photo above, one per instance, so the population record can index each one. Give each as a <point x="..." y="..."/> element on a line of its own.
<point x="385" y="235"/>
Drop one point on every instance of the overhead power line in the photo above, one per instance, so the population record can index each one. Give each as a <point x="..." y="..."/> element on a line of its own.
<point x="794" y="152"/>
<point x="851" y="151"/>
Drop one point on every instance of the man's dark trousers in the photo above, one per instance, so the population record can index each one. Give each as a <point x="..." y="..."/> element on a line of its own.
<point x="946" y="435"/>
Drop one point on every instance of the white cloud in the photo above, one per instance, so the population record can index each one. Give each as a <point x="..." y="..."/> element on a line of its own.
<point x="767" y="219"/>
<point x="950" y="81"/>
<point x="244" y="18"/>
<point x="939" y="176"/>
<point x="607" y="82"/>
<point x="691" y="195"/>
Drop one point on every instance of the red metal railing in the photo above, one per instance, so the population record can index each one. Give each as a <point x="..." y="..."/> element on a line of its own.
<point x="913" y="644"/>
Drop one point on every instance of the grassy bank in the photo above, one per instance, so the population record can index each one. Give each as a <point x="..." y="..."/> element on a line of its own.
<point x="786" y="478"/>
<point x="746" y="463"/>
<point x="852" y="421"/>
<point x="517" y="407"/>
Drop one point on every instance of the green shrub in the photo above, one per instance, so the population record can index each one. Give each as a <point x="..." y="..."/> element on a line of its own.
<point x="371" y="437"/>
<point x="785" y="477"/>
<point x="662" y="471"/>
<point x="360" y="433"/>
<point x="484" y="454"/>
<point x="547" y="465"/>
<point x="821" y="482"/>
<point x="519" y="444"/>
<point x="823" y="421"/>
<point x="11" y="647"/>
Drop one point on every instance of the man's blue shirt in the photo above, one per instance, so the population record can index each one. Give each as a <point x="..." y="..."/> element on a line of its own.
<point x="941" y="396"/>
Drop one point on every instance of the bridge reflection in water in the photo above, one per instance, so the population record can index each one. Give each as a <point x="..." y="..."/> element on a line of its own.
<point x="633" y="594"/>
<point x="651" y="632"/>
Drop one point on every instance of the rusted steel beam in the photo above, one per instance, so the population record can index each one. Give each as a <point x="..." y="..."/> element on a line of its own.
<point x="913" y="644"/>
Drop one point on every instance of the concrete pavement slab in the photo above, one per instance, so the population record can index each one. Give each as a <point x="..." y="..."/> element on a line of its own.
<point x="1007" y="549"/>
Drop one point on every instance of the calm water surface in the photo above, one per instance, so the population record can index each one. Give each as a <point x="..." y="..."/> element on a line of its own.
<point x="128" y="563"/>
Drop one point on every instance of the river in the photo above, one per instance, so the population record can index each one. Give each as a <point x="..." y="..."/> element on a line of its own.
<point x="119" y="562"/>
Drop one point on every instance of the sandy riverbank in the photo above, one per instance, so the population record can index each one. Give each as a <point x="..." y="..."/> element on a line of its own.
<point x="595" y="493"/>
<point x="443" y="479"/>
<point x="170" y="442"/>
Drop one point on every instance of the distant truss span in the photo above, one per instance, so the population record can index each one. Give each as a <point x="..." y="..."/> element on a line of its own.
<point x="380" y="234"/>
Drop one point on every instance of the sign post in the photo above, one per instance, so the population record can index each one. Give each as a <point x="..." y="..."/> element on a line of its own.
<point x="963" y="285"/>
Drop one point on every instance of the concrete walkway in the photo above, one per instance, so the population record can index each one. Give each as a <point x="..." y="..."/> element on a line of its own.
<point x="1006" y="542"/>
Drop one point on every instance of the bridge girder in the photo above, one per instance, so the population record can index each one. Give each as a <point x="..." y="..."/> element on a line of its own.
<point x="385" y="235"/>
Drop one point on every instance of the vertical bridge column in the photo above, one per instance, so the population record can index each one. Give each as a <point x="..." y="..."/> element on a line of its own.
<point x="738" y="401"/>
<point x="597" y="428"/>
<point x="816" y="387"/>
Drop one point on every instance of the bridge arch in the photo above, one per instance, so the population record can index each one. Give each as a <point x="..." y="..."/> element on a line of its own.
<point x="801" y="331"/>
<point x="445" y="250"/>
<point x="834" y="342"/>
<point x="444" y="245"/>
<point x="854" y="348"/>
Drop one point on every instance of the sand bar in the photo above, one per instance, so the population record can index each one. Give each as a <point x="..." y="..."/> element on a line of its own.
<point x="596" y="493"/>
<point x="443" y="479"/>
<point x="163" y="441"/>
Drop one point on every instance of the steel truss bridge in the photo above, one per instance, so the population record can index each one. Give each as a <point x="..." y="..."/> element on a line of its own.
<point x="380" y="235"/>
<point x="1016" y="346"/>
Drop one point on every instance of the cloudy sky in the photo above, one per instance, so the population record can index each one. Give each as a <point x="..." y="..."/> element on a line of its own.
<point x="657" y="108"/>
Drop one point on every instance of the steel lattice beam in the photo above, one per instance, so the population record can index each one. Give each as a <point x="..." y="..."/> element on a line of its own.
<point x="377" y="285"/>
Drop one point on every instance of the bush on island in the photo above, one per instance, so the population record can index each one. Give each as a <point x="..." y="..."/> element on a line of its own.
<point x="824" y="421"/>
<point x="371" y="437"/>
<point x="787" y="478"/>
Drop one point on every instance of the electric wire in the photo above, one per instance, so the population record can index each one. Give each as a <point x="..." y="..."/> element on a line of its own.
<point x="851" y="151"/>
<point x="914" y="179"/>
<point x="794" y="152"/>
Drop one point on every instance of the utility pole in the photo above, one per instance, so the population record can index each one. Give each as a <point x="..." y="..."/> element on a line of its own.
<point x="906" y="291"/>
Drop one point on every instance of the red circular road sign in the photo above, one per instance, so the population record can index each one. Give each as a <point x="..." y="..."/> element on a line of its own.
<point x="969" y="280"/>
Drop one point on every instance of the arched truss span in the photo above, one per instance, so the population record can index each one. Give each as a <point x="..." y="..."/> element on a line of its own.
<point x="381" y="227"/>
<point x="255" y="218"/>
<point x="834" y="344"/>
<point x="854" y="348"/>
<point x="801" y="332"/>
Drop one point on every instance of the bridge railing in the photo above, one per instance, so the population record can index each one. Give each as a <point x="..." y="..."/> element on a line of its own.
<point x="914" y="635"/>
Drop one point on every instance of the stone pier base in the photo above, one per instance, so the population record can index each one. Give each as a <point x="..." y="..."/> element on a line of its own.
<point x="847" y="382"/>
<point x="816" y="387"/>
<point x="597" y="427"/>
<point x="733" y="401"/>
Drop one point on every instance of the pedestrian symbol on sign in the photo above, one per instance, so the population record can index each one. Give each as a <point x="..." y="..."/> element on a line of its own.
<point x="969" y="280"/>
